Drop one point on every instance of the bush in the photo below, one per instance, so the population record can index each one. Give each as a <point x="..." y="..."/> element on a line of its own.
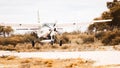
<point x="100" y="35"/>
<point x="2" y="40"/>
<point x="116" y="41"/>
<point x="107" y="39"/>
<point x="88" y="39"/>
<point x="65" y="47"/>
<point x="11" y="40"/>
<point x="15" y="39"/>
<point x="28" y="38"/>
<point x="63" y="37"/>
<point x="111" y="38"/>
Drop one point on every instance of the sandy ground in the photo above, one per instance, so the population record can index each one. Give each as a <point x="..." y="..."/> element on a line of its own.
<point x="97" y="58"/>
<point x="93" y="55"/>
<point x="14" y="62"/>
<point x="73" y="55"/>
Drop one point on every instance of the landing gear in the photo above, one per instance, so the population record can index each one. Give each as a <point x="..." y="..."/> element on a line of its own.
<point x="52" y="42"/>
<point x="33" y="43"/>
<point x="60" y="43"/>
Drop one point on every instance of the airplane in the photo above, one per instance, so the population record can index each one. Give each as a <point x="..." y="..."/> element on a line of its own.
<point x="46" y="31"/>
<point x="102" y="20"/>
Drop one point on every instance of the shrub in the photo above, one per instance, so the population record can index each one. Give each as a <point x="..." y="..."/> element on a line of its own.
<point x="111" y="38"/>
<point x="82" y="36"/>
<point x="89" y="39"/>
<point x="2" y="40"/>
<point x="64" y="38"/>
<point x="116" y="41"/>
<point x="28" y="37"/>
<point x="77" y="41"/>
<point x="108" y="38"/>
<point x="11" y="40"/>
<point x="15" y="39"/>
<point x="65" y="47"/>
<point x="100" y="35"/>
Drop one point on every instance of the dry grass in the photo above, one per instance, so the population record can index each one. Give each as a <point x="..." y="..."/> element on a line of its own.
<point x="25" y="61"/>
<point x="11" y="58"/>
<point x="77" y="42"/>
<point x="76" y="46"/>
<point x="45" y="63"/>
<point x="65" y="46"/>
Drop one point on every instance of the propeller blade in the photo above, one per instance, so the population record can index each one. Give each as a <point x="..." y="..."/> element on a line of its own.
<point x="47" y="25"/>
<point x="54" y="25"/>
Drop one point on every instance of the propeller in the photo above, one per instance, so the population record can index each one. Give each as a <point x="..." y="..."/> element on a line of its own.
<point x="54" y="25"/>
<point x="47" y="25"/>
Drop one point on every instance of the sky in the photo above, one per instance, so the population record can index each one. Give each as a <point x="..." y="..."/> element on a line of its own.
<point x="50" y="11"/>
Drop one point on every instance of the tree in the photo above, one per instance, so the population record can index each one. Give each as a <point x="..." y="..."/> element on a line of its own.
<point x="1" y="29"/>
<point x="91" y="28"/>
<point x="6" y="30"/>
<point x="113" y="13"/>
<point x="106" y="15"/>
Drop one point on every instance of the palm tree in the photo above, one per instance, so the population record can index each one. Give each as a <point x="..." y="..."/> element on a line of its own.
<point x="7" y="30"/>
<point x="1" y="29"/>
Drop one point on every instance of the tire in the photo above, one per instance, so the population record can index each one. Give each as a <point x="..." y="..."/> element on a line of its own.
<point x="33" y="43"/>
<point x="60" y="43"/>
<point x="52" y="42"/>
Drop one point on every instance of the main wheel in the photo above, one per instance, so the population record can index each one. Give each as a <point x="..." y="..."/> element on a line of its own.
<point x="60" y="43"/>
<point x="52" y="42"/>
<point x="33" y="43"/>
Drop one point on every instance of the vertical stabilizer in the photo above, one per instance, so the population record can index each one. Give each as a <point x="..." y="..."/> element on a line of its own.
<point x="38" y="16"/>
